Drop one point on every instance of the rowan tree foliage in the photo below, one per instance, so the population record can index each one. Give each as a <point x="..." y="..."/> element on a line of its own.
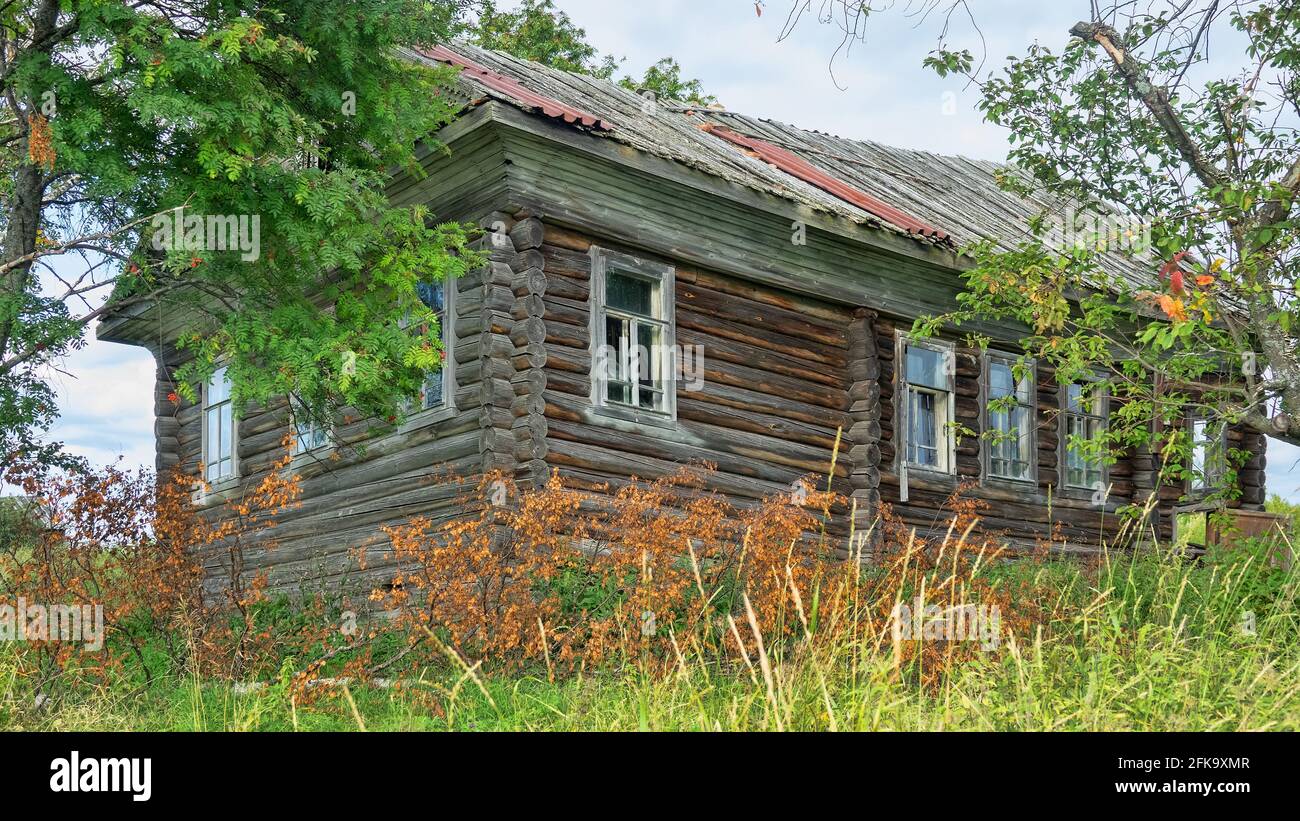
<point x="293" y="113"/>
<point x="1178" y="118"/>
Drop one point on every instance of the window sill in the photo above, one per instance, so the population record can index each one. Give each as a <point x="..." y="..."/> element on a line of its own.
<point x="316" y="455"/>
<point x="1007" y="483"/>
<point x="424" y="418"/>
<point x="619" y="414"/>
<point x="941" y="477"/>
<point x="215" y="492"/>
<point x="1083" y="494"/>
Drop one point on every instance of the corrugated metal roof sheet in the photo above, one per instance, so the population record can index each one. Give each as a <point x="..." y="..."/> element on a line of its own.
<point x="505" y="85"/>
<point x="809" y="173"/>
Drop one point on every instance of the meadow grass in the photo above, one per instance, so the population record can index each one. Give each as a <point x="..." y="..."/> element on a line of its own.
<point x="1138" y="641"/>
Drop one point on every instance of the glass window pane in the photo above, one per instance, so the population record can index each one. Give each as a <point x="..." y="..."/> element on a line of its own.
<point x="926" y="367"/>
<point x="218" y="388"/>
<point x="212" y="435"/>
<point x="649" y="353"/>
<point x="618" y="349"/>
<point x="631" y="294"/>
<point x="620" y="392"/>
<point x="227" y="427"/>
<point x="431" y="294"/>
<point x="433" y="389"/>
<point x="923" y="430"/>
<point x="1001" y="383"/>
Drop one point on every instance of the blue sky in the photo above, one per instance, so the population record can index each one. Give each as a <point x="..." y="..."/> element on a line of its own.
<point x="878" y="91"/>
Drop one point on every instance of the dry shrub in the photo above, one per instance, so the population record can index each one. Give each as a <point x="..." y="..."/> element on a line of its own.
<point x="660" y="570"/>
<point x="137" y="548"/>
<point x="951" y="572"/>
<point x="87" y="539"/>
<point x="651" y="574"/>
<point x="571" y="578"/>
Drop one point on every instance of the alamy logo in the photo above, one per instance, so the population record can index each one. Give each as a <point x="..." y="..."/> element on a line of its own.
<point x="961" y="622"/>
<point x="77" y="774"/>
<point x="23" y="621"/>
<point x="178" y="231"/>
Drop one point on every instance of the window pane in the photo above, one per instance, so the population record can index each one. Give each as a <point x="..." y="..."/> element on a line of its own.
<point x="926" y="367"/>
<point x="1207" y="454"/>
<point x="923" y="430"/>
<point x="431" y="294"/>
<point x="1089" y="399"/>
<point x="1080" y="470"/>
<point x="433" y="389"/>
<point x="631" y="294"/>
<point x="227" y="427"/>
<point x="649" y="354"/>
<point x="1074" y="398"/>
<point x="620" y="392"/>
<point x="218" y="388"/>
<point x="1001" y="383"/>
<point x="212" y="435"/>
<point x="650" y="398"/>
<point x="618" y="349"/>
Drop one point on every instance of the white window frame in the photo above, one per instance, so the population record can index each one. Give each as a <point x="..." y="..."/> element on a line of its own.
<point x="416" y="406"/>
<point x="1102" y="396"/>
<point x="945" y="442"/>
<point x="205" y="427"/>
<point x="664" y="276"/>
<point x="1030" y="406"/>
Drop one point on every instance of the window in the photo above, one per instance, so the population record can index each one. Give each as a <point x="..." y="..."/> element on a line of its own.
<point x="926" y="395"/>
<point x="437" y="384"/>
<point x="1010" y="422"/>
<point x="1209" y="450"/>
<point x="438" y="387"/>
<point x="633" y="335"/>
<point x="307" y="434"/>
<point x="1084" y="420"/>
<point x="218" y="428"/>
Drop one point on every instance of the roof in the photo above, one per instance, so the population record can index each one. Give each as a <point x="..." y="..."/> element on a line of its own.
<point x="943" y="200"/>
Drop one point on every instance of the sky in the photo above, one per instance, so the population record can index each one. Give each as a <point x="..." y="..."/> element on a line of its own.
<point x="876" y="90"/>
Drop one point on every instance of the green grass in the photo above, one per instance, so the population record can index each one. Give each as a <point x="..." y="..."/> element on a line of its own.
<point x="1141" y="643"/>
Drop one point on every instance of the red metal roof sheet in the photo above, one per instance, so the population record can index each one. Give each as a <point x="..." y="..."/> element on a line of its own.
<point x="505" y="85"/>
<point x="796" y="166"/>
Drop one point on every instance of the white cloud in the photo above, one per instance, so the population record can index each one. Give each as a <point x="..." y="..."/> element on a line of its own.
<point x="107" y="404"/>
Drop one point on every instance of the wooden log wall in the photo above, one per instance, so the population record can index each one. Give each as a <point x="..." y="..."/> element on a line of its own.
<point x="1024" y="513"/>
<point x="774" y="394"/>
<point x="376" y="475"/>
<point x="1027" y="514"/>
<point x="864" y="433"/>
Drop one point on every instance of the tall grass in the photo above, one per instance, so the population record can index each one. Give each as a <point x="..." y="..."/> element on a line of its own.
<point x="1135" y="641"/>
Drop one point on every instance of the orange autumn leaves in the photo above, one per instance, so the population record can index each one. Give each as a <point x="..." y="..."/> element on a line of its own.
<point x="1179" y="303"/>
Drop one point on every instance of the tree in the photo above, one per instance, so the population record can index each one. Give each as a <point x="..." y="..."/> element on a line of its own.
<point x="536" y="30"/>
<point x="274" y="127"/>
<point x="540" y="32"/>
<point x="1132" y="121"/>
<point x="664" y="80"/>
